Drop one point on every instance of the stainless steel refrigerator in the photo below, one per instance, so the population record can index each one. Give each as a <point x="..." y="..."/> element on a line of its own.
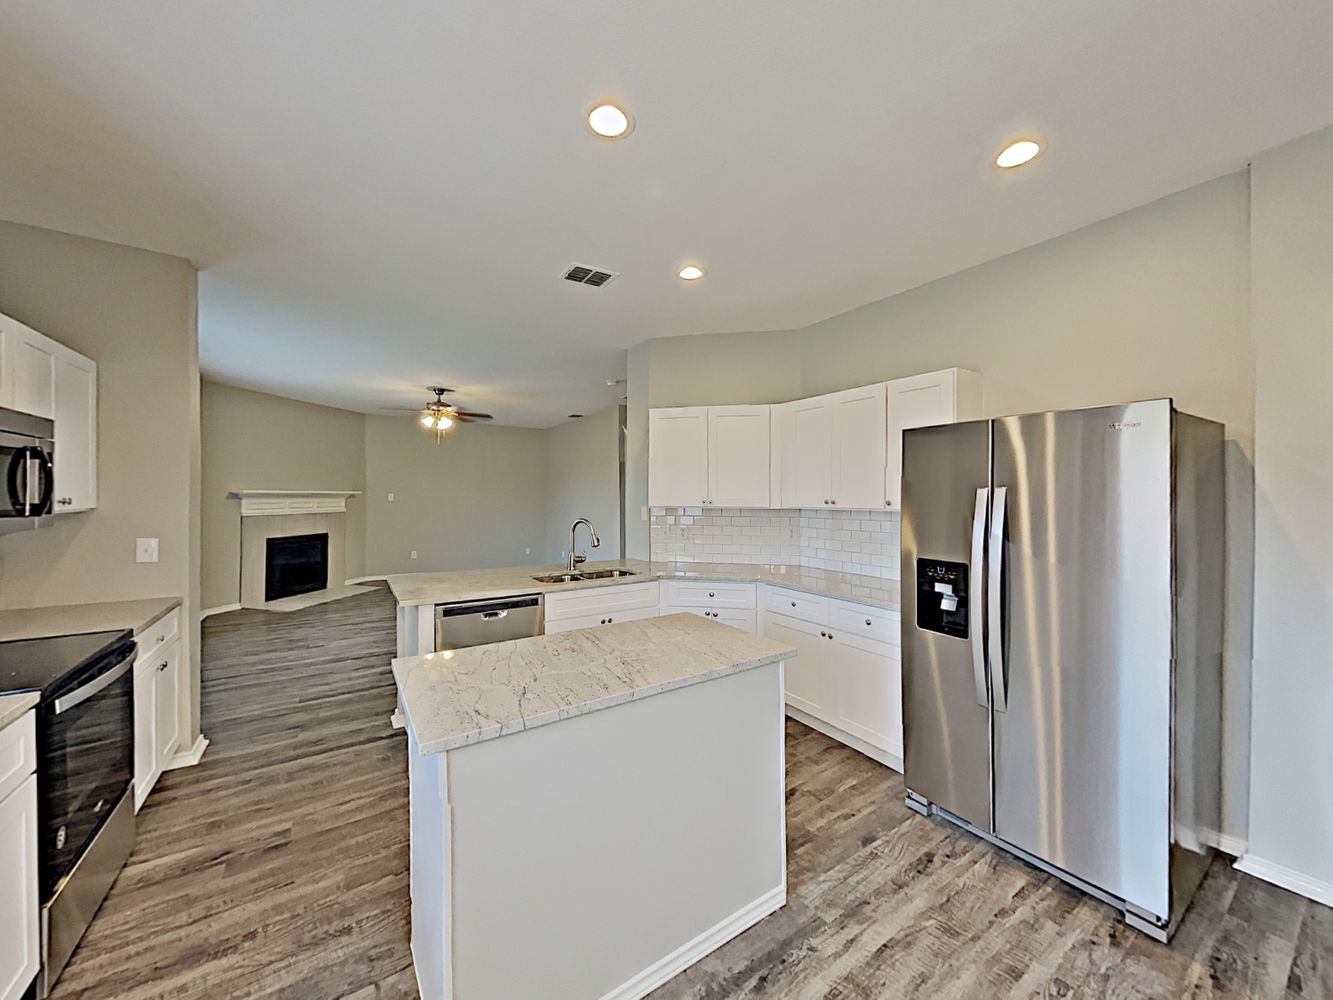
<point x="1062" y="580"/>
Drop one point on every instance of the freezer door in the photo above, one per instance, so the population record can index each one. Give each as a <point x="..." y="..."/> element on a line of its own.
<point x="1082" y="663"/>
<point x="946" y="725"/>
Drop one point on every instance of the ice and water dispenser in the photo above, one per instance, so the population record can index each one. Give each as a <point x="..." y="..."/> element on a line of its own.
<point x="941" y="597"/>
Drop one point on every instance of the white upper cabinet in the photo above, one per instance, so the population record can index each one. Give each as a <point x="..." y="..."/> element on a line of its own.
<point x="738" y="446"/>
<point x="678" y="456"/>
<point x="76" y="432"/>
<point x="708" y="455"/>
<point x="832" y="450"/>
<point x="858" y="446"/>
<point x="27" y="369"/>
<point x="942" y="397"/>
<point x="47" y="379"/>
<point x="807" y="467"/>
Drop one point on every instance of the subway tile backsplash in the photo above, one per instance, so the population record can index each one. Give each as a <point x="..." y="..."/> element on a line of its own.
<point x="864" y="542"/>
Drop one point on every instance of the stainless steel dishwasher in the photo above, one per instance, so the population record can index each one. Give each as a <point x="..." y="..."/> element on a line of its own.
<point x="476" y="623"/>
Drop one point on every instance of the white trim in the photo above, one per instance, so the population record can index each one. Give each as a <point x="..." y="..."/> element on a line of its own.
<point x="690" y="952"/>
<point x="1225" y="842"/>
<point x="269" y="503"/>
<point x="221" y="609"/>
<point x="189" y="756"/>
<point x="886" y="757"/>
<point x="1287" y="878"/>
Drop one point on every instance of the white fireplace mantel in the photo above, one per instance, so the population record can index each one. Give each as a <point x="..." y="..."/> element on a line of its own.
<point x="257" y="503"/>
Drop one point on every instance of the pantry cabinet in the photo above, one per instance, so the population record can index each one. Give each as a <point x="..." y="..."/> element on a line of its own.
<point x="716" y="456"/>
<point x="832" y="450"/>
<point x="47" y="379"/>
<point x="942" y="397"/>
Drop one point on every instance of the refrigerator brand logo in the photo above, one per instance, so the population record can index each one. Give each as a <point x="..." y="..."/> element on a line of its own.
<point x="1124" y="425"/>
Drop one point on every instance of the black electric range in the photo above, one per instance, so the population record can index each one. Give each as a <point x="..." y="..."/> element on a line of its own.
<point x="57" y="663"/>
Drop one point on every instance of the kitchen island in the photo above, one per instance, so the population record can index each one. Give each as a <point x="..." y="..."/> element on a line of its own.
<point x="591" y="811"/>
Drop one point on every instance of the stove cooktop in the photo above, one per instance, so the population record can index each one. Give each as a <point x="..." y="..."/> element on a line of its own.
<point x="47" y="665"/>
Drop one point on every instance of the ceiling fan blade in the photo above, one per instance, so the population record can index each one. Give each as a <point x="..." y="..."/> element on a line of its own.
<point x="470" y="416"/>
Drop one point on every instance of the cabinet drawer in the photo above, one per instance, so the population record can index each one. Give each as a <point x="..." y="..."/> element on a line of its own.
<point x="806" y="607"/>
<point x="18" y="752"/>
<point x="743" y="620"/>
<point x="596" y="619"/>
<point x="595" y="601"/>
<point x="702" y="594"/>
<point x="154" y="639"/>
<point x="872" y="623"/>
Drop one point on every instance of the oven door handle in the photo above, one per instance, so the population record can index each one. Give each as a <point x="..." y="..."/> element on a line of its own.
<point x="79" y="695"/>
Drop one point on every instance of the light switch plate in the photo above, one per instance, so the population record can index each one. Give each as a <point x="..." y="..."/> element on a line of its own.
<point x="390" y="498"/>
<point x="145" y="550"/>
<point x="414" y="553"/>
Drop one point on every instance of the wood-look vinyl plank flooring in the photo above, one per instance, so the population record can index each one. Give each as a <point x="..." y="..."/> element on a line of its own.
<point x="278" y="867"/>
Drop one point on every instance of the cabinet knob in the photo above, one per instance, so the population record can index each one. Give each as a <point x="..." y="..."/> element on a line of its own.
<point x="830" y="635"/>
<point x="711" y="594"/>
<point x="793" y="604"/>
<point x="610" y="620"/>
<point x="822" y="634"/>
<point x="164" y="665"/>
<point x="888" y="503"/>
<point x="869" y="622"/>
<point x="826" y="501"/>
<point x="833" y="501"/>
<point x="602" y="622"/>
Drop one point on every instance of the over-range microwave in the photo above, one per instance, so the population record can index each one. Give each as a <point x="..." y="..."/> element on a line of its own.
<point x="27" y="457"/>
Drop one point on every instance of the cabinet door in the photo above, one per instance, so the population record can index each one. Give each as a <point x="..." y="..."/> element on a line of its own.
<point x="28" y="376"/>
<point x="76" y="432"/>
<point x="916" y="401"/>
<point x="809" y="686"/>
<point x="746" y="621"/>
<point x="806" y="462"/>
<point x="19" y="905"/>
<point x="597" y="619"/>
<point x="869" y="690"/>
<point x="858" y="446"/>
<point x="166" y="709"/>
<point x="738" y="443"/>
<point x="678" y="456"/>
<point x="146" y="770"/>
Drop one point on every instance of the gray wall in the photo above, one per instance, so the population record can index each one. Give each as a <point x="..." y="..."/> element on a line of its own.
<point x="583" y="480"/>
<point x="252" y="440"/>
<point x="133" y="312"/>
<point x="475" y="499"/>
<point x="1153" y="302"/>
<point x="1291" y="807"/>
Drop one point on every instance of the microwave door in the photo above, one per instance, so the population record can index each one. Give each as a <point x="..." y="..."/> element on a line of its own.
<point x="18" y="470"/>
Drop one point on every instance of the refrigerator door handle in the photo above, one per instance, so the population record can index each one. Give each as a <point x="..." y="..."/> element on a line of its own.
<point x="995" y="603"/>
<point x="975" y="609"/>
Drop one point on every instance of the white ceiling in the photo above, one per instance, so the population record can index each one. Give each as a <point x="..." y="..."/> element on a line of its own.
<point x="382" y="195"/>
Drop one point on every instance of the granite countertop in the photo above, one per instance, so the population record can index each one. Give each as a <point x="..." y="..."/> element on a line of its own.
<point x="14" y="706"/>
<point x="70" y="619"/>
<point x="456" y="698"/>
<point x="484" y="584"/>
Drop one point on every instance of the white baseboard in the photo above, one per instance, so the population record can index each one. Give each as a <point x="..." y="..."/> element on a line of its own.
<point x="189" y="756"/>
<point x="690" y="952"/>
<point x="1225" y="842"/>
<point x="1287" y="878"/>
<point x="219" y="610"/>
<point x="885" y="757"/>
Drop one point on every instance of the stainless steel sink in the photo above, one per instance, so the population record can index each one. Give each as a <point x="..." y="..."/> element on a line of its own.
<point x="592" y="574"/>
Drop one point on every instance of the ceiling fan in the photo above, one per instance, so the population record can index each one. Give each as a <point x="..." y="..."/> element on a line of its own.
<point x="439" y="416"/>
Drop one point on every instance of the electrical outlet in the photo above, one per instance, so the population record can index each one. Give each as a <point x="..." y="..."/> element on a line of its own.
<point x="390" y="498"/>
<point x="414" y="553"/>
<point x="528" y="551"/>
<point x="145" y="550"/>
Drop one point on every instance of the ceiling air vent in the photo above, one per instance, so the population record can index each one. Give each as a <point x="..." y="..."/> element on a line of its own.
<point x="584" y="275"/>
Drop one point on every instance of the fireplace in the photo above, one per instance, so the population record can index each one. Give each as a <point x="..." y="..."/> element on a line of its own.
<point x="295" y="564"/>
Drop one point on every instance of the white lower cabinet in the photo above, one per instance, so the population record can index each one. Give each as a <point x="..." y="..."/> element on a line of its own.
<point x="847" y="674"/>
<point x="157" y="686"/>
<point x="20" y="907"/>
<point x="596" y="606"/>
<point x="810" y="684"/>
<point x="729" y="603"/>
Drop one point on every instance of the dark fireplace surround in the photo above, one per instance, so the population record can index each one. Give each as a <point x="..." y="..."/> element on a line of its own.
<point x="295" y="564"/>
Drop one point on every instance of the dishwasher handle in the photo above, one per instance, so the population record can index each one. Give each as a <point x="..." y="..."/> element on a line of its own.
<point x="493" y="615"/>
<point x="489" y="609"/>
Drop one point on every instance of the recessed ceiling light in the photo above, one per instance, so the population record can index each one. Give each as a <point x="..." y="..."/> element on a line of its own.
<point x="610" y="122"/>
<point x="690" y="272"/>
<point x="1017" y="153"/>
